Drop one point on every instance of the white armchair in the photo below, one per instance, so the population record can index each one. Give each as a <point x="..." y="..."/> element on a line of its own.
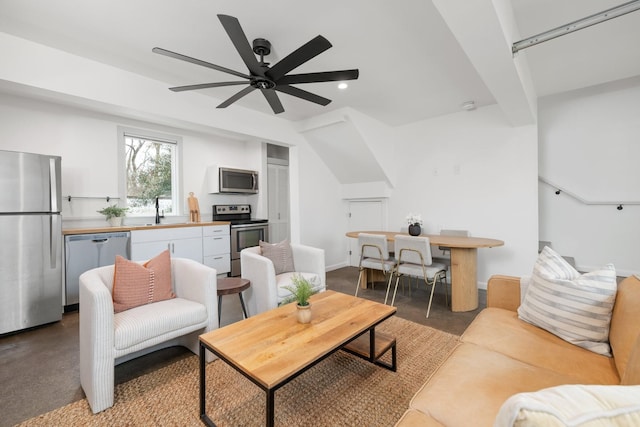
<point x="267" y="288"/>
<point x="108" y="339"/>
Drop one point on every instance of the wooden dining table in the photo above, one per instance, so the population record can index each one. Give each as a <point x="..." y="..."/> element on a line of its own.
<point x="464" y="263"/>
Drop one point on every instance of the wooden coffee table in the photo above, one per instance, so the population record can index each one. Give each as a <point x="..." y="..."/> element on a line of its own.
<point x="272" y="348"/>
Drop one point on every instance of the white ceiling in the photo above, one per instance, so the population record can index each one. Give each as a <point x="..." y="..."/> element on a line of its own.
<point x="411" y="65"/>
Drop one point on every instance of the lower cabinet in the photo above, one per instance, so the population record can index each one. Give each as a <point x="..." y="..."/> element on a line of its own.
<point x="209" y="245"/>
<point x="216" y="248"/>
<point x="182" y="242"/>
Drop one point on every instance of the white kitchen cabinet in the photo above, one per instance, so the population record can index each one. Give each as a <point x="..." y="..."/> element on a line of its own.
<point x="182" y="242"/>
<point x="216" y="248"/>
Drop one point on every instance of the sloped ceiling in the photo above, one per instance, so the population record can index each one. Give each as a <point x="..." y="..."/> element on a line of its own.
<point x="417" y="59"/>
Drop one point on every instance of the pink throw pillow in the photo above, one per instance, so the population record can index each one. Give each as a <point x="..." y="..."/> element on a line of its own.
<point x="135" y="284"/>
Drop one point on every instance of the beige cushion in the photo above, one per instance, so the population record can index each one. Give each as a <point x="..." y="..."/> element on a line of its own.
<point x="169" y="318"/>
<point x="625" y="330"/>
<point x="573" y="405"/>
<point x="135" y="284"/>
<point x="280" y="255"/>
<point x="285" y="280"/>
<point x="475" y="382"/>
<point x="575" y="307"/>
<point x="501" y="331"/>
<point x="413" y="418"/>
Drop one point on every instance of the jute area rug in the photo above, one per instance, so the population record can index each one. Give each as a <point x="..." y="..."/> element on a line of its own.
<point x="342" y="390"/>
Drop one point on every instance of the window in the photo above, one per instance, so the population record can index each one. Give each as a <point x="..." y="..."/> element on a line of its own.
<point x="150" y="169"/>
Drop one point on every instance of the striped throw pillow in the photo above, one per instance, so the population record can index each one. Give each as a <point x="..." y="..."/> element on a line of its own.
<point x="575" y="307"/>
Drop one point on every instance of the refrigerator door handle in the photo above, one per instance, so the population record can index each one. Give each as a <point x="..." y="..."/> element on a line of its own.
<point x="54" y="239"/>
<point x="53" y="184"/>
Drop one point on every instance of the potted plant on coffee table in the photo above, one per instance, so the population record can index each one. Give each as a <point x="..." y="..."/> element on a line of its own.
<point x="301" y="290"/>
<point x="114" y="214"/>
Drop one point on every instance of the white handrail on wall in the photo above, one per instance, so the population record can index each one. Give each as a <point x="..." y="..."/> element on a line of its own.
<point x="560" y="189"/>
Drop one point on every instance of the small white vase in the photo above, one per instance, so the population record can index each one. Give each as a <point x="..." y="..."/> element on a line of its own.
<point x="115" y="221"/>
<point x="304" y="313"/>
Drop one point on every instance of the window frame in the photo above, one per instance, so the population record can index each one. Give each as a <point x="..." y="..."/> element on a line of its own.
<point x="176" y="178"/>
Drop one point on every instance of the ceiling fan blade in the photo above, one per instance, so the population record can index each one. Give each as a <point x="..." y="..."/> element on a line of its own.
<point x="328" y="76"/>
<point x="239" y="39"/>
<point x="181" y="57"/>
<point x="205" y="86"/>
<point x="237" y="96"/>
<point x="299" y="93"/>
<point x="273" y="100"/>
<point x="298" y="57"/>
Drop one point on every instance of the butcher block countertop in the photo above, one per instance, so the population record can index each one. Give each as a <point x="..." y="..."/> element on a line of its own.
<point x="108" y="229"/>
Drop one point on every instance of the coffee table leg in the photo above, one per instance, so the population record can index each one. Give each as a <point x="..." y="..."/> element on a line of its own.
<point x="270" y="408"/>
<point x="372" y="345"/>
<point x="203" y="411"/>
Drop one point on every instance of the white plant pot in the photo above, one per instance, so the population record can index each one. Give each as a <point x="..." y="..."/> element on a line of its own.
<point x="115" y="221"/>
<point x="304" y="313"/>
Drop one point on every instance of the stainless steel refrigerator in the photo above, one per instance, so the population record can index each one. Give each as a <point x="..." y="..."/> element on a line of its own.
<point x="30" y="240"/>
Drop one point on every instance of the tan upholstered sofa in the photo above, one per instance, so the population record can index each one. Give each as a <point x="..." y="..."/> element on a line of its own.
<point x="500" y="356"/>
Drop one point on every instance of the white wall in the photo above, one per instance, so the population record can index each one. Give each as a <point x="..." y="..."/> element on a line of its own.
<point x="87" y="142"/>
<point x="590" y="146"/>
<point x="473" y="171"/>
<point x="320" y="208"/>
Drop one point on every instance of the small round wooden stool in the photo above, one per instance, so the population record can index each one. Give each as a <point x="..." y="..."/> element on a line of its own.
<point x="232" y="285"/>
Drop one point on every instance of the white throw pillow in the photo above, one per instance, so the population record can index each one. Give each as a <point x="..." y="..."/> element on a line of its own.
<point x="575" y="307"/>
<point x="572" y="405"/>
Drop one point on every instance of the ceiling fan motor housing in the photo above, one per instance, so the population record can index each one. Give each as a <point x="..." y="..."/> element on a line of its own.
<point x="261" y="47"/>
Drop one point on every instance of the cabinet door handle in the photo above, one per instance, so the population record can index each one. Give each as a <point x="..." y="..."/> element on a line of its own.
<point x="218" y="257"/>
<point x="217" y="238"/>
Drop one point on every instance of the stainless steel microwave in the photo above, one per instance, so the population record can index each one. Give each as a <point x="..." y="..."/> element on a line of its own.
<point x="230" y="180"/>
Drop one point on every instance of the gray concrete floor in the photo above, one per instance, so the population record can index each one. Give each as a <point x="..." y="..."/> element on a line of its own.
<point x="39" y="368"/>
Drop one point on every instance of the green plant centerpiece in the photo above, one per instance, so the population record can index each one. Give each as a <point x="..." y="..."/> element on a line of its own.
<point x="114" y="214"/>
<point x="301" y="291"/>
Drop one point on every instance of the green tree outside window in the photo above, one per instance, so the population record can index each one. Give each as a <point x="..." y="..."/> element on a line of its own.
<point x="149" y="169"/>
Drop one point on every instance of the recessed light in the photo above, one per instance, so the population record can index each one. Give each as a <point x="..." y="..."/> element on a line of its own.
<point x="343" y="86"/>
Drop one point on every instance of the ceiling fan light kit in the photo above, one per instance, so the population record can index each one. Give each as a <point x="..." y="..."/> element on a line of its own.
<point x="268" y="80"/>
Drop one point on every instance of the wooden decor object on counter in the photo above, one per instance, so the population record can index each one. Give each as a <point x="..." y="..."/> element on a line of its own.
<point x="194" y="208"/>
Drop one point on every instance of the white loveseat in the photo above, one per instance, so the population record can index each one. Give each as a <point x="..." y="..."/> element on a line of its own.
<point x="108" y="339"/>
<point x="267" y="288"/>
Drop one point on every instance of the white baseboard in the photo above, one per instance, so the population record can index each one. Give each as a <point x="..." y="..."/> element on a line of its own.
<point x="335" y="266"/>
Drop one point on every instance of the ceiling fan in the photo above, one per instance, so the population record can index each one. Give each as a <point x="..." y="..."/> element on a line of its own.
<point x="261" y="75"/>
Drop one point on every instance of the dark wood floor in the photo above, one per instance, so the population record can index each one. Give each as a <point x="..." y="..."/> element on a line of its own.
<point x="39" y="368"/>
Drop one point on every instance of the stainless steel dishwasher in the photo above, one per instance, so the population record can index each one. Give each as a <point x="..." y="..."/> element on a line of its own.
<point x="86" y="251"/>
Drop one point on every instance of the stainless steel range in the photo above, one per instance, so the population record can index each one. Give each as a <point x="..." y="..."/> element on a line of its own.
<point x="246" y="232"/>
